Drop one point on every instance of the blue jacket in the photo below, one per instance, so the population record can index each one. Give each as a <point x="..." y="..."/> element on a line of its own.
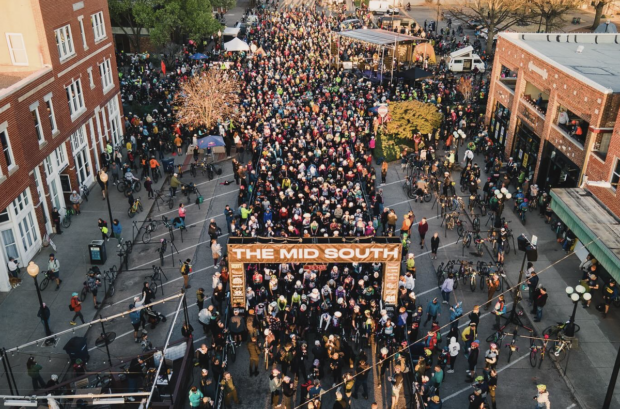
<point x="433" y="309"/>
<point x="117" y="228"/>
<point x="134" y="316"/>
<point x="456" y="311"/>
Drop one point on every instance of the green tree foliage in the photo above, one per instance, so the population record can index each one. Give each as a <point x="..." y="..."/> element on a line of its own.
<point x="165" y="20"/>
<point x="409" y="117"/>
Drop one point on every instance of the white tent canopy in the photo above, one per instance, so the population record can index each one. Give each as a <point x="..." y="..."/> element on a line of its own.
<point x="236" y="45"/>
<point x="231" y="31"/>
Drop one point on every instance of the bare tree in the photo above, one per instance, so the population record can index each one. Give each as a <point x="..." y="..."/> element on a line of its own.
<point x="206" y="98"/>
<point x="599" y="5"/>
<point x="494" y="15"/>
<point x="552" y="12"/>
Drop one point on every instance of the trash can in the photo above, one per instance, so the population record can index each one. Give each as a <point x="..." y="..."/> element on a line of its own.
<point x="97" y="252"/>
<point x="168" y="165"/>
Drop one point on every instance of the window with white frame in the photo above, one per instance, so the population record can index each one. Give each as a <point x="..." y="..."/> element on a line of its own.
<point x="98" y="25"/>
<point x="64" y="42"/>
<point x="75" y="98"/>
<point x="114" y="119"/>
<point x="28" y="231"/>
<point x="5" y="143"/>
<point x="78" y="139"/>
<point x="34" y="111"/>
<point x="90" y="77"/>
<point x="47" y="163"/>
<point x="615" y="175"/>
<point x="4" y="215"/>
<point x="20" y="202"/>
<point x="105" y="69"/>
<point x="17" y="48"/>
<point x="50" y="113"/>
<point x="60" y="157"/>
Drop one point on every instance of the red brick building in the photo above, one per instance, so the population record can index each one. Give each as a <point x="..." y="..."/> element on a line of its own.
<point x="59" y="106"/>
<point x="554" y="104"/>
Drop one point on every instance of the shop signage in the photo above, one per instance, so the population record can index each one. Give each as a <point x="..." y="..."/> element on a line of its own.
<point x="241" y="254"/>
<point x="540" y="71"/>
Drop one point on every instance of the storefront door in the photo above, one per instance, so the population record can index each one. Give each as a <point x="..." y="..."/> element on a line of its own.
<point x="556" y="170"/>
<point x="526" y="147"/>
<point x="499" y="124"/>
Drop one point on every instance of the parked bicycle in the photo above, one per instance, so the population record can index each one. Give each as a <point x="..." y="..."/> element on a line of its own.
<point x="150" y="227"/>
<point x="165" y="198"/>
<point x="536" y="349"/>
<point x="135" y="208"/>
<point x="69" y="213"/>
<point x="555" y="330"/>
<point x="84" y="191"/>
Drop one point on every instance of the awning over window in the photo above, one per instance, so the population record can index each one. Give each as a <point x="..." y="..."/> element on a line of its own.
<point x="595" y="227"/>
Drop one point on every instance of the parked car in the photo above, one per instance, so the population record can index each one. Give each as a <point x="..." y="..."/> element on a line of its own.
<point x="474" y="23"/>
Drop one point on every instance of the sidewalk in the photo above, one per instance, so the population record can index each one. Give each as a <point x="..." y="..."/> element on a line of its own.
<point x="588" y="367"/>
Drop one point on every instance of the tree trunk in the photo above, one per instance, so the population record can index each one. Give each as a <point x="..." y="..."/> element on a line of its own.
<point x="489" y="48"/>
<point x="597" y="16"/>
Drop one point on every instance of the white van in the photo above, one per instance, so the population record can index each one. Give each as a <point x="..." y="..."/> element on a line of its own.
<point x="464" y="60"/>
<point x="378" y="7"/>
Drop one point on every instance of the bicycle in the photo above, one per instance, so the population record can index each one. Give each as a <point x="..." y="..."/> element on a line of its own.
<point x="151" y="226"/>
<point x="135" y="208"/>
<point x="155" y="279"/>
<point x="561" y="348"/>
<point x="69" y="213"/>
<point x="555" y="330"/>
<point x="156" y="174"/>
<point x="535" y="349"/>
<point x="231" y="348"/>
<point x="49" y="277"/>
<point x="512" y="347"/>
<point x="169" y="199"/>
<point x="84" y="191"/>
<point x="109" y="276"/>
<point x="497" y="337"/>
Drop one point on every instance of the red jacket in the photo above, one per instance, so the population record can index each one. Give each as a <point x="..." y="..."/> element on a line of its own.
<point x="75" y="303"/>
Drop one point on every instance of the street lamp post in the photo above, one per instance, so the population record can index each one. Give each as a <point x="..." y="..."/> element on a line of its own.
<point x="575" y="294"/>
<point x="104" y="178"/>
<point x="33" y="271"/>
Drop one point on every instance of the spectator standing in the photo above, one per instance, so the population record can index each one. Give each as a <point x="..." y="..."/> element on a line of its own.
<point x="216" y="251"/>
<point x="230" y="391"/>
<point x="195" y="397"/>
<point x="186" y="268"/>
<point x="182" y="212"/>
<point x="288" y="391"/>
<point x="422" y="229"/>
<point x="53" y="265"/>
<point x="361" y="380"/>
<point x="254" y="351"/>
<point x="532" y="284"/>
<point x="540" y="300"/>
<point x="134" y="317"/>
<point x="453" y="347"/>
<point x="117" y="230"/>
<point x="446" y="288"/>
<point x="384" y="170"/>
<point x="433" y="309"/>
<point x="542" y="399"/>
<point x="34" y="372"/>
<point x="76" y="306"/>
<point x="148" y="185"/>
<point x="434" y="245"/>
<point x="76" y="199"/>
<point x="56" y="220"/>
<point x="44" y="314"/>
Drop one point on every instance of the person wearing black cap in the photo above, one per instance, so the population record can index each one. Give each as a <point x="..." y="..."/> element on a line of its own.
<point x="185" y="270"/>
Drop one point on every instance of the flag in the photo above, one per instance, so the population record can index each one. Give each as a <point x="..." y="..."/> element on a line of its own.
<point x="163" y="67"/>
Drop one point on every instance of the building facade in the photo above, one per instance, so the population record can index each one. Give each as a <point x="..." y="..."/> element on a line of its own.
<point x="552" y="104"/>
<point x="59" y="107"/>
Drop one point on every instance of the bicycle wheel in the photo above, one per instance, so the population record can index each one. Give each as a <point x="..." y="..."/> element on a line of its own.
<point x="131" y="213"/>
<point x="44" y="283"/>
<point x="66" y="222"/>
<point x="483" y="210"/>
<point x="577" y="328"/>
<point x="153" y="286"/>
<point x="138" y="186"/>
<point x="492" y="338"/>
<point x="559" y="351"/>
<point x="441" y="280"/>
<point x="533" y="356"/>
<point x="507" y="246"/>
<point x="509" y="353"/>
<point x="155" y="177"/>
<point x="111" y="290"/>
<point x="460" y="230"/>
<point x="140" y="208"/>
<point x="550" y="330"/>
<point x="482" y="282"/>
<point x="232" y="353"/>
<point x="210" y="173"/>
<point x="476" y="224"/>
<point x="472" y="283"/>
<point x="410" y="192"/>
<point x="170" y="203"/>
<point x="439" y="270"/>
<point x="467" y="240"/>
<point x="121" y="187"/>
<point x="83" y="294"/>
<point x="146" y="237"/>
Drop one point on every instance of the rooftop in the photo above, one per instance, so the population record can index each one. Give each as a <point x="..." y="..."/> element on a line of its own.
<point x="589" y="58"/>
<point x="377" y="36"/>
<point x="11" y="82"/>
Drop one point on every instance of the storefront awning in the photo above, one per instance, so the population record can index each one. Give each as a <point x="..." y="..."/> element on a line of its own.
<point x="595" y="227"/>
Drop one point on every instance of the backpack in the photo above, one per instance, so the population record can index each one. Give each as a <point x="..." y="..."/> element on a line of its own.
<point x="71" y="308"/>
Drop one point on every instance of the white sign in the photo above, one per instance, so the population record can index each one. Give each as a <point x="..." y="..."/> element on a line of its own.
<point x="534" y="240"/>
<point x="383" y="111"/>
<point x="540" y="71"/>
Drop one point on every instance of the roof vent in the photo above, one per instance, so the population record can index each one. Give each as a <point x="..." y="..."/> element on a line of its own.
<point x="579" y="49"/>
